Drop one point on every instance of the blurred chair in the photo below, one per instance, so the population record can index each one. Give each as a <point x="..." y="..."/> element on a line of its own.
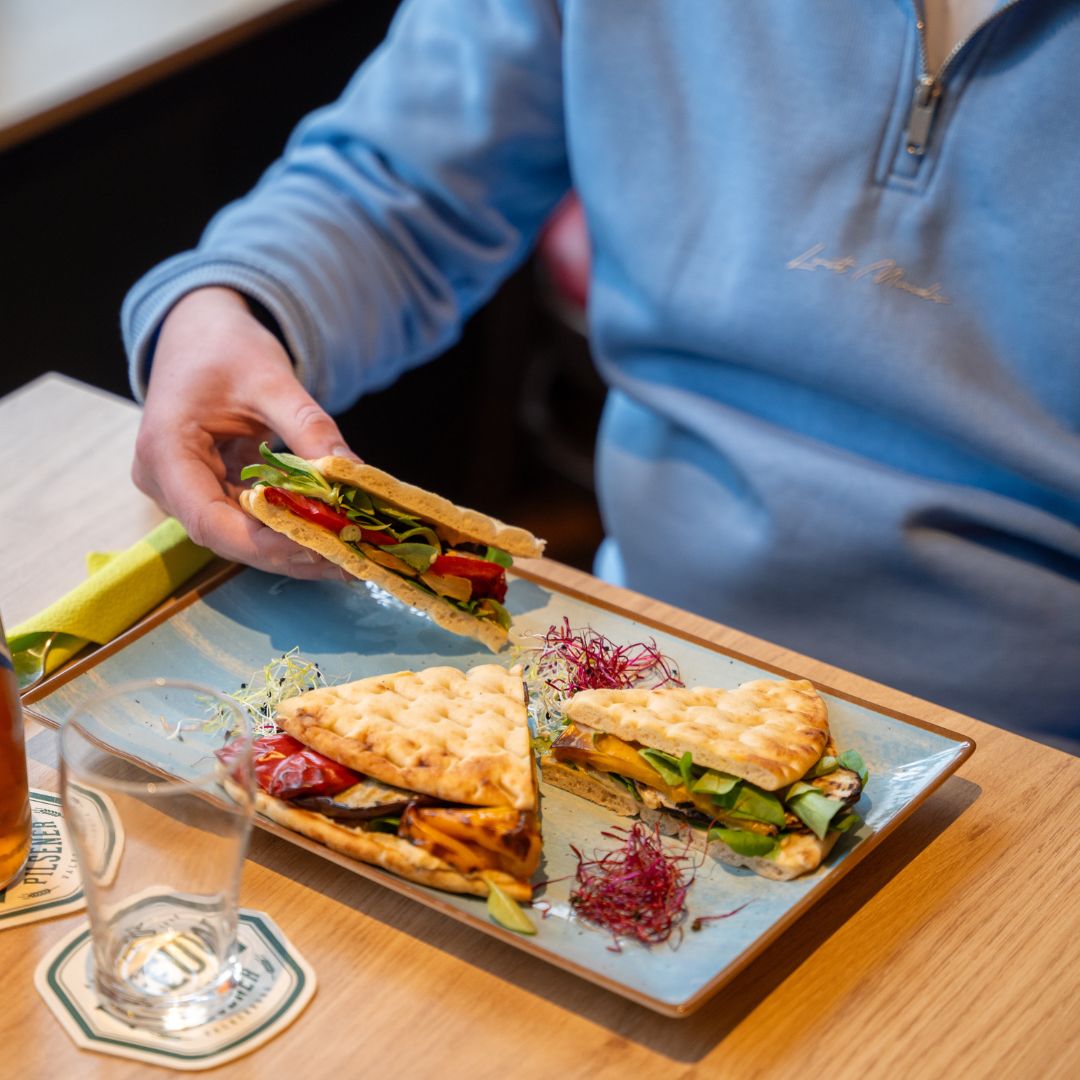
<point x="563" y="395"/>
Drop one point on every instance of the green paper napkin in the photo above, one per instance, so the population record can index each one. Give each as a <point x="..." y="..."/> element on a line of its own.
<point x="122" y="587"/>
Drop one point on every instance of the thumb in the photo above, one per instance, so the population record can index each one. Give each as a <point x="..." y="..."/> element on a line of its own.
<point x="302" y="424"/>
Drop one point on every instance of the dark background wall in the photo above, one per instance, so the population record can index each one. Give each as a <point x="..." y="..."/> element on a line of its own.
<point x="504" y="421"/>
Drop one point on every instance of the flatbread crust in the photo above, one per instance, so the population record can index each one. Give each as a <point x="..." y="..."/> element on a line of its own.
<point x="384" y="850"/>
<point x="589" y="784"/>
<point x="327" y="544"/>
<point x="457" y="523"/>
<point x="799" y="853"/>
<point x="769" y="731"/>
<point x="459" y="736"/>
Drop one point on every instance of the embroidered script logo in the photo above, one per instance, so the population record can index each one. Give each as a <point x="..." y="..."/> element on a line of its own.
<point x="883" y="272"/>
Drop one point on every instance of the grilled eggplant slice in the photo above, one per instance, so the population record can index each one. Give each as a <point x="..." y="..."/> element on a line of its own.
<point x="362" y="802"/>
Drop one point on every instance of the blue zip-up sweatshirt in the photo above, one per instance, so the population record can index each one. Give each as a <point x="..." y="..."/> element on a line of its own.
<point x="845" y="376"/>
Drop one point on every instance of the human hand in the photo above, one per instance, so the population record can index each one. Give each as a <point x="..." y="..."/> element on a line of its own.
<point x="220" y="384"/>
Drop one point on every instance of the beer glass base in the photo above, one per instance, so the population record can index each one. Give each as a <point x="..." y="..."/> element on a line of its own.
<point x="17" y="876"/>
<point x="132" y="999"/>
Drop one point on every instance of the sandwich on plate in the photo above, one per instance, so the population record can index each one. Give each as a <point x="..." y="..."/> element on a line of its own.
<point x="426" y="774"/>
<point x="443" y="559"/>
<point x="754" y="769"/>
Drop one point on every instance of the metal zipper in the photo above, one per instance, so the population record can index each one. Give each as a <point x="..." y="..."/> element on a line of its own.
<point x="930" y="88"/>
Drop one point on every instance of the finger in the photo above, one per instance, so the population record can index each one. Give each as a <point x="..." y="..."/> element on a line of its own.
<point x="214" y="521"/>
<point x="237" y="453"/>
<point x="306" y="428"/>
<point x="143" y="478"/>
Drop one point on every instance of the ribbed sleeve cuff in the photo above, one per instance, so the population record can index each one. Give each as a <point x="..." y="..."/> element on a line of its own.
<point x="155" y="294"/>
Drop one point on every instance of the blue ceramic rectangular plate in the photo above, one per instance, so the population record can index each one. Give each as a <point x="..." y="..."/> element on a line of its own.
<point x="228" y="631"/>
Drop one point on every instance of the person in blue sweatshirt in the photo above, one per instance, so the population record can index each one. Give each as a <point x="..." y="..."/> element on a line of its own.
<point x="834" y="295"/>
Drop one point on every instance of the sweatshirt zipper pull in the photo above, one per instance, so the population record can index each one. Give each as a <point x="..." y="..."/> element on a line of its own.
<point x="924" y="105"/>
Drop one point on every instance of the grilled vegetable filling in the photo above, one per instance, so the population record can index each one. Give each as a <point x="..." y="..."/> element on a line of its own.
<point x="470" y="577"/>
<point x="749" y="819"/>
<point x="469" y="838"/>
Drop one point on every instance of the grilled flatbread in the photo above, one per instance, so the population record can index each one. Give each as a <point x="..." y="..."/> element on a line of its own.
<point x="767" y="731"/>
<point x="330" y="547"/>
<point x="729" y="759"/>
<point x="458" y="524"/>
<point x="589" y="784"/>
<point x="385" y="552"/>
<point x="458" y="736"/>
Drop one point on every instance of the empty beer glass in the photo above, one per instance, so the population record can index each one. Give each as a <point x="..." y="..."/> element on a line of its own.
<point x="163" y="914"/>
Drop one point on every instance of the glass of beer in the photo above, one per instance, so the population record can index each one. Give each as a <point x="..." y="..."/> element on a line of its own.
<point x="14" y="789"/>
<point x="163" y="912"/>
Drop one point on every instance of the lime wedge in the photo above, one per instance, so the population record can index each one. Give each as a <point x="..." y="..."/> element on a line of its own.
<point x="506" y="911"/>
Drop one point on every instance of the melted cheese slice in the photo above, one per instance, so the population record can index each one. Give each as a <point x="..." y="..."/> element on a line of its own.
<point x="609" y="754"/>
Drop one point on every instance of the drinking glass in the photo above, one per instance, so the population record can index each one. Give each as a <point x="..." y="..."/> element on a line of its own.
<point x="14" y="790"/>
<point x="163" y="913"/>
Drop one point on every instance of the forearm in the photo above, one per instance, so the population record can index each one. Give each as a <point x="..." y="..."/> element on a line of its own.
<point x="395" y="212"/>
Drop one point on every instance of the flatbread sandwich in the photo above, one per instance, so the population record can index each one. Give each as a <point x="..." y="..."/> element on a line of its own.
<point x="754" y="767"/>
<point x="426" y="774"/>
<point x="437" y="557"/>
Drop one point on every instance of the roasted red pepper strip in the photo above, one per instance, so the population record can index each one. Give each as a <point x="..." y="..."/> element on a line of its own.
<point x="280" y="743"/>
<point x="307" y="772"/>
<point x="313" y="510"/>
<point x="319" y="513"/>
<point x="268" y="752"/>
<point x="374" y="536"/>
<point x="286" y="768"/>
<point x="487" y="578"/>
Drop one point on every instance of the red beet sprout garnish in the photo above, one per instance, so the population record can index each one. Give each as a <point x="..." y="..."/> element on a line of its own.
<point x="572" y="660"/>
<point x="569" y="660"/>
<point x="701" y="920"/>
<point x="636" y="891"/>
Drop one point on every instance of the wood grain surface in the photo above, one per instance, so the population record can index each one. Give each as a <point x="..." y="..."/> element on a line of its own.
<point x="952" y="951"/>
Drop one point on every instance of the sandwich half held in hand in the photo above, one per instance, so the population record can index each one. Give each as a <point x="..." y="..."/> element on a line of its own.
<point x="443" y="559"/>
<point x="755" y="767"/>
<point x="426" y="774"/>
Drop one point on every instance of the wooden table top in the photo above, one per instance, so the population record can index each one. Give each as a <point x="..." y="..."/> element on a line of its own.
<point x="63" y="58"/>
<point x="952" y="950"/>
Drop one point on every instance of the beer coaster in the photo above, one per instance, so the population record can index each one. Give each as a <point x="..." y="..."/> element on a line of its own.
<point x="276" y="986"/>
<point x="51" y="884"/>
